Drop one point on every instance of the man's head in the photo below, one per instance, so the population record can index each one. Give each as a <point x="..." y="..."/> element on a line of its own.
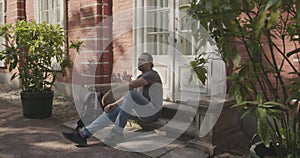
<point x="145" y="62"/>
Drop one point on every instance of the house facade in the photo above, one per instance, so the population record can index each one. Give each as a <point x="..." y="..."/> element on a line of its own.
<point x="114" y="33"/>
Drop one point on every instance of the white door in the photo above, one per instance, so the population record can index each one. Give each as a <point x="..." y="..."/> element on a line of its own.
<point x="154" y="34"/>
<point x="163" y="30"/>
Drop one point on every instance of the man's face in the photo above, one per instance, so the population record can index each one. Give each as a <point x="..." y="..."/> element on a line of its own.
<point x="142" y="62"/>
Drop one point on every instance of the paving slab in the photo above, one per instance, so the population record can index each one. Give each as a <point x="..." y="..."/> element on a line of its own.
<point x="186" y="152"/>
<point x="35" y="138"/>
<point x="151" y="143"/>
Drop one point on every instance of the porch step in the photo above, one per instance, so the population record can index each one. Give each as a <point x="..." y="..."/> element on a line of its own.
<point x="162" y="126"/>
<point x="176" y="119"/>
<point x="170" y="109"/>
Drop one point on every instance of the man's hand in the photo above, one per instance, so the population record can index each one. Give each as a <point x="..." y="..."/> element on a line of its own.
<point x="109" y="107"/>
<point x="106" y="97"/>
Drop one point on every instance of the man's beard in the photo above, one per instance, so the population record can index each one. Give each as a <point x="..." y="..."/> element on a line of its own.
<point x="141" y="67"/>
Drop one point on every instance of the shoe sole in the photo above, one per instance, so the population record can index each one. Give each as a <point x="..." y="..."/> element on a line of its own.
<point x="67" y="137"/>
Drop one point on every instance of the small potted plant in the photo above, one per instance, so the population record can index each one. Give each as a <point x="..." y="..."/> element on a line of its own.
<point x="36" y="54"/>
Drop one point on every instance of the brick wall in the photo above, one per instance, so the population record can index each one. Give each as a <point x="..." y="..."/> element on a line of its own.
<point x="29" y="10"/>
<point x="122" y="39"/>
<point x="15" y="9"/>
<point x="84" y="21"/>
<point x="95" y="59"/>
<point x="278" y="57"/>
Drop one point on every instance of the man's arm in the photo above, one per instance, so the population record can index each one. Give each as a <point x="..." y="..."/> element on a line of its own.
<point x="120" y="90"/>
<point x="137" y="83"/>
<point x="113" y="105"/>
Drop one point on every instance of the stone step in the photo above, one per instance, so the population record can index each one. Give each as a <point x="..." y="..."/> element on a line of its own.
<point x="168" y="127"/>
<point x="176" y="119"/>
<point x="170" y="109"/>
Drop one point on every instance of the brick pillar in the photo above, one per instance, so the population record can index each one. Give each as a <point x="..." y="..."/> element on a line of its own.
<point x="15" y="10"/>
<point x="96" y="56"/>
<point x="107" y="34"/>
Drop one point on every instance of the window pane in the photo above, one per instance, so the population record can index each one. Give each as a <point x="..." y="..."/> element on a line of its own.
<point x="182" y="2"/>
<point x="163" y="43"/>
<point x="52" y="17"/>
<point x="151" y="21"/>
<point x="166" y="43"/>
<point x="45" y="5"/>
<point x="166" y="3"/>
<point x="152" y="3"/>
<point x="57" y="16"/>
<point x="186" y="47"/>
<point x="44" y="17"/>
<point x="163" y="3"/>
<point x="50" y="11"/>
<point x="1" y="7"/>
<point x="164" y="21"/>
<point x="152" y="44"/>
<point x="1" y="13"/>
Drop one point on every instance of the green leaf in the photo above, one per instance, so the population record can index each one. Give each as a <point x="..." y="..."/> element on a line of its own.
<point x="14" y="76"/>
<point x="271" y="3"/>
<point x="259" y="99"/>
<point x="184" y="7"/>
<point x="260" y="23"/>
<point x="298" y="12"/>
<point x="271" y="104"/>
<point x="236" y="57"/>
<point x="263" y="132"/>
<point x="233" y="89"/>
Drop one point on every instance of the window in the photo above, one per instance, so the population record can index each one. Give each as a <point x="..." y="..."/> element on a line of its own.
<point x="2" y="40"/>
<point x="165" y="24"/>
<point x="158" y="23"/>
<point x="50" y="11"/>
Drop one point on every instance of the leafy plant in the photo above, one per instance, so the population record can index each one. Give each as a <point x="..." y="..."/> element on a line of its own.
<point x="259" y="42"/>
<point x="199" y="69"/>
<point x="37" y="51"/>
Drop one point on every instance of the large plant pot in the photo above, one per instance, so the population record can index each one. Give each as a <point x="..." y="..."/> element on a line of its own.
<point x="259" y="150"/>
<point x="37" y="105"/>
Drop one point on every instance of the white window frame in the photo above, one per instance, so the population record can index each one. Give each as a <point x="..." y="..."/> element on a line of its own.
<point x="62" y="8"/>
<point x="2" y="40"/>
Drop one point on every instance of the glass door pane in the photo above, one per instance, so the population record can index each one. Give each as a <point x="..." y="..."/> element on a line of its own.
<point x="158" y="23"/>
<point x="186" y="29"/>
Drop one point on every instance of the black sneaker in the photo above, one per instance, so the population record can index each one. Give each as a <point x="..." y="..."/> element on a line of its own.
<point x="75" y="137"/>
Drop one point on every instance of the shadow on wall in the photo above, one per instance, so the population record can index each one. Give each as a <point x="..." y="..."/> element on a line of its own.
<point x="124" y="77"/>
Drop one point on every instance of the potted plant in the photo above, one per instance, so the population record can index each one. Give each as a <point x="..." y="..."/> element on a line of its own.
<point x="36" y="54"/>
<point x="259" y="42"/>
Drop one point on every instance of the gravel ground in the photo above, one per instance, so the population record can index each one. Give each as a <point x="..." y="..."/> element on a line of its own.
<point x="63" y="107"/>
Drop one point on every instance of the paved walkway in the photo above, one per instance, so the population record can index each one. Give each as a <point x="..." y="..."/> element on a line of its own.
<point x="21" y="137"/>
<point x="36" y="138"/>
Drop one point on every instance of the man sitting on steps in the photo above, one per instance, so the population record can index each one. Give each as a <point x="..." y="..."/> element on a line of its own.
<point x="142" y="100"/>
